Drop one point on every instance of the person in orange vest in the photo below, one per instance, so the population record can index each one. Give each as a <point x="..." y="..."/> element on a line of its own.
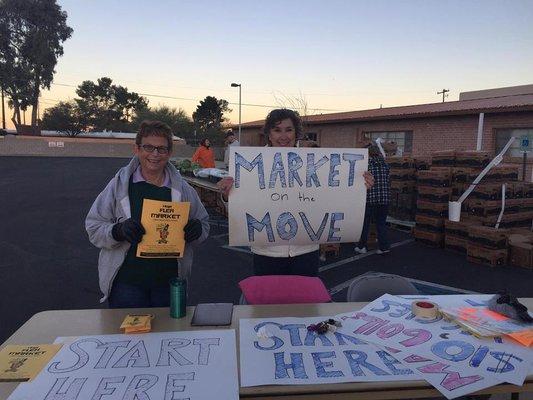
<point x="204" y="155"/>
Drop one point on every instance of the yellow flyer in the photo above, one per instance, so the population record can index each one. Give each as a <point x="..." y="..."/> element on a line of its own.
<point x="163" y="222"/>
<point x="24" y="362"/>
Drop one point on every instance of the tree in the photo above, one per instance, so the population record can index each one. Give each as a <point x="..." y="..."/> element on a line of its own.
<point x="178" y="120"/>
<point x="32" y="33"/>
<point x="108" y="106"/>
<point x="209" y="114"/>
<point x="65" y="117"/>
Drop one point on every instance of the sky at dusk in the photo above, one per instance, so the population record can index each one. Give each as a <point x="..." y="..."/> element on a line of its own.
<point x="337" y="55"/>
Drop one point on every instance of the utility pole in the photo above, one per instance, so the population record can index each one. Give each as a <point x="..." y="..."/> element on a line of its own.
<point x="444" y="95"/>
<point x="3" y="111"/>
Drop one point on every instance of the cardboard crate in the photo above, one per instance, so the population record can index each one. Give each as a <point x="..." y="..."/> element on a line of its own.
<point x="464" y="174"/>
<point x="472" y="159"/>
<point x="525" y="204"/>
<point x="455" y="243"/>
<point x="457" y="190"/>
<point x="433" y="194"/>
<point x="408" y="174"/>
<point x="439" y="210"/>
<point x="403" y="186"/>
<point x="490" y="209"/>
<point x="400" y="162"/>
<point x="430" y="224"/>
<point x="458" y="229"/>
<point x="481" y="255"/>
<point x="521" y="250"/>
<point x="434" y="178"/>
<point x="500" y="173"/>
<point x="488" y="237"/>
<point x="430" y="238"/>
<point x="492" y="191"/>
<point x="422" y="163"/>
<point x="520" y="219"/>
<point x="444" y="158"/>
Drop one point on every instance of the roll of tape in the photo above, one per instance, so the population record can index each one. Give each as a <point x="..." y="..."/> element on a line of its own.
<point x="425" y="309"/>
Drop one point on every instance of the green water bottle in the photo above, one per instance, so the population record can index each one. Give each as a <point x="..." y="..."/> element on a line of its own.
<point x="178" y="297"/>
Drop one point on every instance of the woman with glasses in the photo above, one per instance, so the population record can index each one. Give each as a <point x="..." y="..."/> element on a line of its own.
<point x="113" y="223"/>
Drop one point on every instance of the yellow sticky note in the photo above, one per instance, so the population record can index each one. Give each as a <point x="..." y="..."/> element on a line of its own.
<point x="137" y="323"/>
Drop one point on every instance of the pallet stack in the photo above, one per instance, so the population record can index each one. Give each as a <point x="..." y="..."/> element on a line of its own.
<point x="434" y="192"/>
<point x="403" y="187"/>
<point x="487" y="245"/>
<point x="521" y="248"/>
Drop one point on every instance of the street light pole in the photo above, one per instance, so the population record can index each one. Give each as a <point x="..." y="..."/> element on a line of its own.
<point x="3" y="111"/>
<point x="240" y="87"/>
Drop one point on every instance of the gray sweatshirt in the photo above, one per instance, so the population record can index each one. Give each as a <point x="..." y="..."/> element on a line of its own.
<point x="113" y="205"/>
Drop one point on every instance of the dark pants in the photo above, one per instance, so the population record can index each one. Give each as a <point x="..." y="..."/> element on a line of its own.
<point x="376" y="213"/>
<point x="304" y="264"/>
<point x="124" y="295"/>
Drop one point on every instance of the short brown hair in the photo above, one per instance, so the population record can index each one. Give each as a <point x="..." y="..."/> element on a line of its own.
<point x="154" y="128"/>
<point x="274" y="117"/>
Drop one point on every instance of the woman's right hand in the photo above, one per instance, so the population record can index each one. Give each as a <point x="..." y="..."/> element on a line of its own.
<point x="224" y="186"/>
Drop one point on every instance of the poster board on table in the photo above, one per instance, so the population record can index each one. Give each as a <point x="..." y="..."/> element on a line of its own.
<point x="282" y="351"/>
<point x="170" y="365"/>
<point x="296" y="196"/>
<point x="451" y="359"/>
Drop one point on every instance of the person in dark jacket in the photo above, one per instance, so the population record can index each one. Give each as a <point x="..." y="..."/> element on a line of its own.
<point x="377" y="202"/>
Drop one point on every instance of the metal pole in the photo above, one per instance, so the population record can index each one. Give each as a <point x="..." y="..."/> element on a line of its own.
<point x="3" y="111"/>
<point x="480" y="131"/>
<point x="240" y="87"/>
<point x="524" y="158"/>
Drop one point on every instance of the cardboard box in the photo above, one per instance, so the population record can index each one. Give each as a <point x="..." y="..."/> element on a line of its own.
<point x="521" y="250"/>
<point x="430" y="238"/>
<point x="456" y="243"/>
<point x="439" y="210"/>
<point x="481" y="255"/>
<point x="434" y="194"/>
<point x="444" y="158"/>
<point x="472" y="159"/>
<point x="458" y="229"/>
<point x="485" y="236"/>
<point x="434" y="178"/>
<point x="429" y="224"/>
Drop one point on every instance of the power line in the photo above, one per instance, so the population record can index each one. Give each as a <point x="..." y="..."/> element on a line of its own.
<point x="197" y="100"/>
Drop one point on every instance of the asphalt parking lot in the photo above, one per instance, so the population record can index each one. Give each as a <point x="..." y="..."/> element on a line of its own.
<point x="47" y="262"/>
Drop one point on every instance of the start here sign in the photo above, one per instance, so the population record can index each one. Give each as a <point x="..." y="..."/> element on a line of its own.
<point x="296" y="195"/>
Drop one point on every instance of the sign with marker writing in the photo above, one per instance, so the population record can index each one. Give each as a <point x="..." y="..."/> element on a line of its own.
<point x="296" y="195"/>
<point x="156" y="366"/>
<point x="452" y="360"/>
<point x="279" y="351"/>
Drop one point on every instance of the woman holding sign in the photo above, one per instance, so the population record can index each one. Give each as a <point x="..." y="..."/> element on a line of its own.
<point x="113" y="224"/>
<point x="283" y="128"/>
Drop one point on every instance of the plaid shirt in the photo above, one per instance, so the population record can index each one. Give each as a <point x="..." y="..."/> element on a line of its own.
<point x="380" y="192"/>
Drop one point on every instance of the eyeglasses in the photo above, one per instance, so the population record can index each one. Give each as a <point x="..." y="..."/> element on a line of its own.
<point x="150" y="149"/>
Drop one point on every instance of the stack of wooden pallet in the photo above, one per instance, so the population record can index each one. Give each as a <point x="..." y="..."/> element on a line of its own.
<point x="403" y="187"/>
<point x="434" y="192"/>
<point x="487" y="245"/>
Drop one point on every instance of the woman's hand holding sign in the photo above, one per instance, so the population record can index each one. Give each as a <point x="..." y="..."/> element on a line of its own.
<point x="224" y="186"/>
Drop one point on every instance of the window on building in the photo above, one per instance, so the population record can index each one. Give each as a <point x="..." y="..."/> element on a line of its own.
<point x="404" y="139"/>
<point x="503" y="136"/>
<point x="311" y="136"/>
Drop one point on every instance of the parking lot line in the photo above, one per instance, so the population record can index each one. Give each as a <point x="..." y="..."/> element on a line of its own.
<point x="360" y="256"/>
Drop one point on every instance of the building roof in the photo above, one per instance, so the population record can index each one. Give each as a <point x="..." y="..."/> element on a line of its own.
<point x="522" y="102"/>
